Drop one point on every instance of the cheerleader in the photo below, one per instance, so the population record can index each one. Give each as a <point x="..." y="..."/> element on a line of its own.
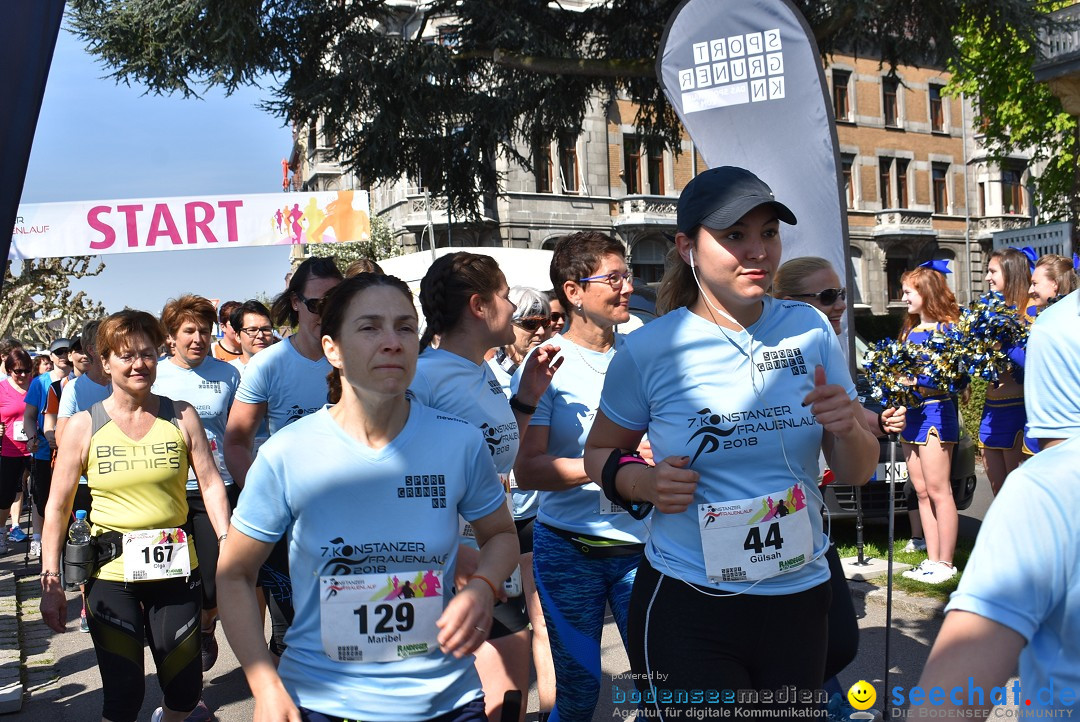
<point x="933" y="428"/>
<point x="1001" y="430"/>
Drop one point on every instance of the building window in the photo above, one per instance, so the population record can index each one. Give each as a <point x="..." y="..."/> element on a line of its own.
<point x="892" y="174"/>
<point x="647" y="260"/>
<point x="841" y="96"/>
<point x="895" y="268"/>
<point x="1012" y="192"/>
<point x="847" y="163"/>
<point x="568" y="165"/>
<point x="937" y="110"/>
<point x="939" y="178"/>
<point x="890" y="102"/>
<point x="656" y="169"/>
<point x="856" y="275"/>
<point x="312" y="137"/>
<point x="632" y="164"/>
<point x="982" y="199"/>
<point x="542" y="168"/>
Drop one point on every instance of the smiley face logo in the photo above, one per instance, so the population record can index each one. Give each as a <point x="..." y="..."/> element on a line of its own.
<point x="862" y="695"/>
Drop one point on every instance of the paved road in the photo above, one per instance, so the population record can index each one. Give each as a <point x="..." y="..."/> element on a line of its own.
<point x="64" y="685"/>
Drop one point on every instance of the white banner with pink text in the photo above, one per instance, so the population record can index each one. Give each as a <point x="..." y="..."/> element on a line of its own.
<point x="90" y="228"/>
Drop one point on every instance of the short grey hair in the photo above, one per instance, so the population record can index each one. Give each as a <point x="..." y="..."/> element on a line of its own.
<point x="528" y="303"/>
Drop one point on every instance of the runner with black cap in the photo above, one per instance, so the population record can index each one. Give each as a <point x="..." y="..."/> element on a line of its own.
<point x="739" y="392"/>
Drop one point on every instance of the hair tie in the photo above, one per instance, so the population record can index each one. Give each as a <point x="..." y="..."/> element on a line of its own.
<point x="941" y="266"/>
<point x="1032" y="256"/>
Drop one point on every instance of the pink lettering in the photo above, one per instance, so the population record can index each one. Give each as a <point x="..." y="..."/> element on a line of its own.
<point x="106" y="231"/>
<point x="162" y="224"/>
<point x="230" y="218"/>
<point x="194" y="225"/>
<point x="132" y="227"/>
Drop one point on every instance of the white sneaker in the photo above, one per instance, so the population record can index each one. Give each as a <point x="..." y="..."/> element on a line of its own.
<point x="937" y="573"/>
<point x="916" y="571"/>
<point x="35" y="548"/>
<point x="915" y="544"/>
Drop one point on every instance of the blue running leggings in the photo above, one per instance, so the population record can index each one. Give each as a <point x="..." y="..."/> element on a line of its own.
<point x="574" y="590"/>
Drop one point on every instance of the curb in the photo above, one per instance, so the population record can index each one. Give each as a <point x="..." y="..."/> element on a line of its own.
<point x="11" y="684"/>
<point x="873" y="594"/>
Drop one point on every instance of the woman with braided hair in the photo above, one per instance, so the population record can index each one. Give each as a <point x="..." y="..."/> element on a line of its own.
<point x="465" y="299"/>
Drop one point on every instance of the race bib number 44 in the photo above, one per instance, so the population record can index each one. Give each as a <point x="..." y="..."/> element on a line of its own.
<point x="752" y="539"/>
<point x="152" y="554"/>
<point x="380" y="617"/>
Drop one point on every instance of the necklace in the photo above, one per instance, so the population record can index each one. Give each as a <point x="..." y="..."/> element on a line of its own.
<point x="585" y="361"/>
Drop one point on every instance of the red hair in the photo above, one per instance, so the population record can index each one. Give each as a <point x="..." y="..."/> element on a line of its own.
<point x="939" y="303"/>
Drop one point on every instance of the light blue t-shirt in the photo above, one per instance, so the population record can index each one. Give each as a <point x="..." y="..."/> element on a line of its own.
<point x="526" y="503"/>
<point x="80" y="395"/>
<point x="290" y="385"/>
<point x="456" y="385"/>
<point x="349" y="509"/>
<point x="568" y="408"/>
<point x="210" y="388"/>
<point x="1024" y="572"/>
<point x="37" y="396"/>
<point x="1052" y="373"/>
<point x="689" y="384"/>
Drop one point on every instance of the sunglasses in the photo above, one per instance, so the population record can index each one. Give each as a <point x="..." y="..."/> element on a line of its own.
<point x="20" y="371"/>
<point x="558" y="317"/>
<point x="533" y="323"/>
<point x="314" y="305"/>
<point x="827" y="297"/>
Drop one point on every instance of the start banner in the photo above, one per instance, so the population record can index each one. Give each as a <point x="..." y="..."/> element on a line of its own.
<point x="91" y="228"/>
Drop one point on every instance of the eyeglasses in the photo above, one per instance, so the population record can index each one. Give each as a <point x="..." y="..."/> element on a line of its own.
<point x="613" y="279"/>
<point x="557" y="317"/>
<point x="129" y="358"/>
<point x="254" y="331"/>
<point x="314" y="305"/>
<point x="827" y="297"/>
<point x="533" y="323"/>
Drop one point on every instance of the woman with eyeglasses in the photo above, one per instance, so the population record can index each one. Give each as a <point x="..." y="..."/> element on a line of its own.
<point x="16" y="457"/>
<point x="740" y="394"/>
<point x="282" y="384"/>
<point x="193" y="375"/>
<point x="135" y="448"/>
<point x="533" y="324"/>
<point x="813" y="280"/>
<point x="585" y="551"/>
<point x="370" y="516"/>
<point x="466" y="302"/>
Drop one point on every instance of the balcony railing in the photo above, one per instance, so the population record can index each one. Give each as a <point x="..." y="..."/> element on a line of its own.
<point x="903" y="221"/>
<point x="989" y="225"/>
<point x="646" y="210"/>
<point x="1059" y="45"/>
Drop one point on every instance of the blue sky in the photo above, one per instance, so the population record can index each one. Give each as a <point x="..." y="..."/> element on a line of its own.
<point x="97" y="140"/>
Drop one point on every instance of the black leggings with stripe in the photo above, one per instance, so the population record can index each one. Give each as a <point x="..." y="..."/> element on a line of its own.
<point x="166" y="614"/>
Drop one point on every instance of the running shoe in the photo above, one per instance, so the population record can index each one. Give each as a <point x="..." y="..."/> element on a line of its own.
<point x="201" y="713"/>
<point x="915" y="544"/>
<point x="916" y="571"/>
<point x="35" y="548"/>
<point x="939" y="572"/>
<point x="16" y="535"/>
<point x="84" y="626"/>
<point x="3" y="544"/>
<point x="209" y="647"/>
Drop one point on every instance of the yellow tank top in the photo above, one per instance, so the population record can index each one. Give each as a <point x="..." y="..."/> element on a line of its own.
<point x="136" y="485"/>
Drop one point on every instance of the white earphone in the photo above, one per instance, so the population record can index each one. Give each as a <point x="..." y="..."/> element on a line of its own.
<point x="691" y="258"/>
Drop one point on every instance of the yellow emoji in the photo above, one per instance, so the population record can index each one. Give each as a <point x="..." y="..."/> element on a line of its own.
<point x="862" y="695"/>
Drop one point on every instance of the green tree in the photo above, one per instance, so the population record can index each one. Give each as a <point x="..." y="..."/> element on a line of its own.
<point x="381" y="245"/>
<point x="39" y="306"/>
<point x="500" y="78"/>
<point x="1016" y="113"/>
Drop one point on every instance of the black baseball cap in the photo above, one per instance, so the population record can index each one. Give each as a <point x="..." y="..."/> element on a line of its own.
<point x="719" y="197"/>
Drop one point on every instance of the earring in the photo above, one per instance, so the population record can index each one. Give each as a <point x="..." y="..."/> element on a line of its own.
<point x="580" y="308"/>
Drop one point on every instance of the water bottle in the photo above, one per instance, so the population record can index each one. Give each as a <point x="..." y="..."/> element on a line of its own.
<point x="78" y="553"/>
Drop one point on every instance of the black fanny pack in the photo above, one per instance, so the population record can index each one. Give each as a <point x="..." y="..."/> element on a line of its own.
<point x="598" y="547"/>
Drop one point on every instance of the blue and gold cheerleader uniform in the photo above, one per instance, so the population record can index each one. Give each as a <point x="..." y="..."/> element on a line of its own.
<point x="937" y="414"/>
